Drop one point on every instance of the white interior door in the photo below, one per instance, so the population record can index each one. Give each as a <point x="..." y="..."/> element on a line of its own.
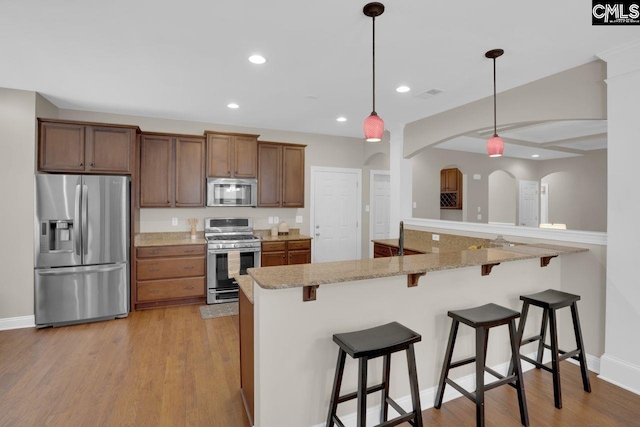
<point x="528" y="212"/>
<point x="544" y="203"/>
<point x="380" y="212"/>
<point x="335" y="213"/>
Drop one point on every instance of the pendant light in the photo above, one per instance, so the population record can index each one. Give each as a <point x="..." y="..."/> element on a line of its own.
<point x="495" y="145"/>
<point x="373" y="125"/>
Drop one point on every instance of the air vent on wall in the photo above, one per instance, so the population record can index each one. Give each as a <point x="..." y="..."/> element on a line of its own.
<point x="429" y="94"/>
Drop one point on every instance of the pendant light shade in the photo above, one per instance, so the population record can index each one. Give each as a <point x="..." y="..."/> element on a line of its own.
<point x="373" y="128"/>
<point x="373" y="125"/>
<point x="495" y="145"/>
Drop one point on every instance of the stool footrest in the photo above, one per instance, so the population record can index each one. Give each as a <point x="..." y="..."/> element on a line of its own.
<point x="503" y="381"/>
<point x="535" y="363"/>
<point x="569" y="355"/>
<point x="462" y="362"/>
<point x="464" y="392"/>
<point x="494" y="373"/>
<point x="530" y="340"/>
<point x="353" y="395"/>
<point x="399" y="420"/>
<point x="395" y="406"/>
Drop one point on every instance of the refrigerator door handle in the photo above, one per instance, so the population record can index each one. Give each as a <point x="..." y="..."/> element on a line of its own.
<point x="78" y="270"/>
<point x="77" y="237"/>
<point x="85" y="220"/>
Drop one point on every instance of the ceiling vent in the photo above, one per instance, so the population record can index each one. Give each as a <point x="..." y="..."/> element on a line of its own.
<point x="429" y="94"/>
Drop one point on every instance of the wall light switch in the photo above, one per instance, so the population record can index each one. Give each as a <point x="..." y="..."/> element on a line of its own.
<point x="299" y="219"/>
<point x="415" y="205"/>
<point x="174" y="221"/>
<point x="477" y="177"/>
<point x="435" y="237"/>
<point x="479" y="209"/>
<point x="276" y="220"/>
<point x="479" y="217"/>
<point x="270" y="220"/>
<point x="366" y="208"/>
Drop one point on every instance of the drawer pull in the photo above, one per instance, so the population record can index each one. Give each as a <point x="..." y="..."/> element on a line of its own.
<point x="189" y="267"/>
<point x="154" y="291"/>
<point x="154" y="269"/>
<point x="154" y="252"/>
<point x="189" y="251"/>
<point x="189" y="287"/>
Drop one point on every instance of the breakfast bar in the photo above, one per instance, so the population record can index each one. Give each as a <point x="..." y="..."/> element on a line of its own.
<point x="297" y="309"/>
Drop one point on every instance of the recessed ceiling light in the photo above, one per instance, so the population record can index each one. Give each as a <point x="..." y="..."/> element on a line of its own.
<point x="403" y="89"/>
<point x="233" y="105"/>
<point x="535" y="155"/>
<point x="341" y="119"/>
<point x="257" y="59"/>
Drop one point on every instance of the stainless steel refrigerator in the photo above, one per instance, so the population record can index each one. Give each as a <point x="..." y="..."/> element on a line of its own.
<point x="81" y="248"/>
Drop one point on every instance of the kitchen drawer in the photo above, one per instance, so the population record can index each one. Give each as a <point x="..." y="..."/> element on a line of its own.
<point x="168" y="251"/>
<point x="153" y="290"/>
<point x="273" y="246"/>
<point x="167" y="268"/>
<point x="295" y="245"/>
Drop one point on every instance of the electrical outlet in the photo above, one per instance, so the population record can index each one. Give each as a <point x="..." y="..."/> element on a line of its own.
<point x="276" y="220"/>
<point x="270" y="220"/>
<point x="435" y="250"/>
<point x="174" y="221"/>
<point x="435" y="237"/>
<point x="479" y="217"/>
<point x="366" y="208"/>
<point x="415" y="205"/>
<point x="299" y="219"/>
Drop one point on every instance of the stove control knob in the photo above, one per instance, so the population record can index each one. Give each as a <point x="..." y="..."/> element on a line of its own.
<point x="219" y="246"/>
<point x="236" y="245"/>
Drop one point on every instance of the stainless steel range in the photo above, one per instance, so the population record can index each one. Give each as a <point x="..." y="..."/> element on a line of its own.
<point x="226" y="235"/>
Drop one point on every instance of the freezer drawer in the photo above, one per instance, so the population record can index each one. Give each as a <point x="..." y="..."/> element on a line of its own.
<point x="81" y="294"/>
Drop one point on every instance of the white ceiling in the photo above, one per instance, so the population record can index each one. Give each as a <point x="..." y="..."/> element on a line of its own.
<point x="546" y="140"/>
<point x="188" y="60"/>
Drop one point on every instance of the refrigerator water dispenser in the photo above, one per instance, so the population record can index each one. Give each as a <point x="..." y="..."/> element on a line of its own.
<point x="56" y="236"/>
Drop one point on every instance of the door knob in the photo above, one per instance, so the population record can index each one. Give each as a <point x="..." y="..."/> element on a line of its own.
<point x="317" y="234"/>
<point x="317" y="226"/>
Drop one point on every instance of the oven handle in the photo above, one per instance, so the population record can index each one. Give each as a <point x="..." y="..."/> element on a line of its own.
<point x="225" y="251"/>
<point x="213" y="291"/>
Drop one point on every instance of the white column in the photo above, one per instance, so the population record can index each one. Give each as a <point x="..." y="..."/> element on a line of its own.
<point x="401" y="180"/>
<point x="621" y="362"/>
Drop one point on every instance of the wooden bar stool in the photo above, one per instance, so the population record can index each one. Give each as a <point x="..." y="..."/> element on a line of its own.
<point x="482" y="319"/>
<point x="550" y="301"/>
<point x="370" y="344"/>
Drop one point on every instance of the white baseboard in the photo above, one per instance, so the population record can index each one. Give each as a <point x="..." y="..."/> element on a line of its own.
<point x="17" y="322"/>
<point x="593" y="363"/>
<point x="618" y="372"/>
<point x="468" y="382"/>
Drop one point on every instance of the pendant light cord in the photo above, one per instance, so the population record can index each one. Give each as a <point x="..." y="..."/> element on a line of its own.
<point x="495" y="122"/>
<point x="374" y="64"/>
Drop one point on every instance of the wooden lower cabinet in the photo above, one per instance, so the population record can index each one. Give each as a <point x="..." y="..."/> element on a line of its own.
<point x="284" y="252"/>
<point x="246" y="354"/>
<point x="170" y="275"/>
<point x="381" y="251"/>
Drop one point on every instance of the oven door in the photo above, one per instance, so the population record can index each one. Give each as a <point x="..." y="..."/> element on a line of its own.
<point x="221" y="287"/>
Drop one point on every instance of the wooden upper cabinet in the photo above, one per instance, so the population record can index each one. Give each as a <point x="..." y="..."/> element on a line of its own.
<point x="156" y="166"/>
<point x="190" y="165"/>
<point x="450" y="179"/>
<point x="172" y="170"/>
<point x="109" y="149"/>
<point x="61" y="147"/>
<point x="269" y="174"/>
<point x="280" y="175"/>
<point x="65" y="146"/>
<point x="231" y="155"/>
<point x="292" y="177"/>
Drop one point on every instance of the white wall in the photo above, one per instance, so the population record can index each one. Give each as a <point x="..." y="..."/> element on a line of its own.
<point x="621" y="362"/>
<point x="502" y="198"/>
<point x="17" y="143"/>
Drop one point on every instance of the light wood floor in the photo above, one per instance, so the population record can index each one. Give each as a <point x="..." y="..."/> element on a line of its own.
<point x="168" y="367"/>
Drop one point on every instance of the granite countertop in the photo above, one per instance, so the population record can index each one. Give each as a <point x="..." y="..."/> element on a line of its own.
<point x="245" y="282"/>
<point x="168" y="239"/>
<point x="285" y="238"/>
<point x="294" y="276"/>
<point x="422" y="241"/>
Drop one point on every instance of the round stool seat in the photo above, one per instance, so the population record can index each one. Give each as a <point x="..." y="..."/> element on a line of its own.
<point x="377" y="341"/>
<point x="487" y="315"/>
<point x="551" y="298"/>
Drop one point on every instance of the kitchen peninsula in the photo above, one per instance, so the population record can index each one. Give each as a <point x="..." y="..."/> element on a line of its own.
<point x="297" y="309"/>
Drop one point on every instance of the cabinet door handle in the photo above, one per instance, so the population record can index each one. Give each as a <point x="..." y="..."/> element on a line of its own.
<point x="189" y="287"/>
<point x="80" y="164"/>
<point x="282" y="256"/>
<point x="154" y="291"/>
<point x="189" y="251"/>
<point x="90" y="164"/>
<point x="189" y="267"/>
<point x="168" y="202"/>
<point x="154" y="252"/>
<point x="154" y="269"/>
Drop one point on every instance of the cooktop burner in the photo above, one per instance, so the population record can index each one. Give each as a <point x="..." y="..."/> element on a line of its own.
<point x="232" y="238"/>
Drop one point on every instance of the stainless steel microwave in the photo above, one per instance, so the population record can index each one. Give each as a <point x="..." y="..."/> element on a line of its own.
<point x="232" y="192"/>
